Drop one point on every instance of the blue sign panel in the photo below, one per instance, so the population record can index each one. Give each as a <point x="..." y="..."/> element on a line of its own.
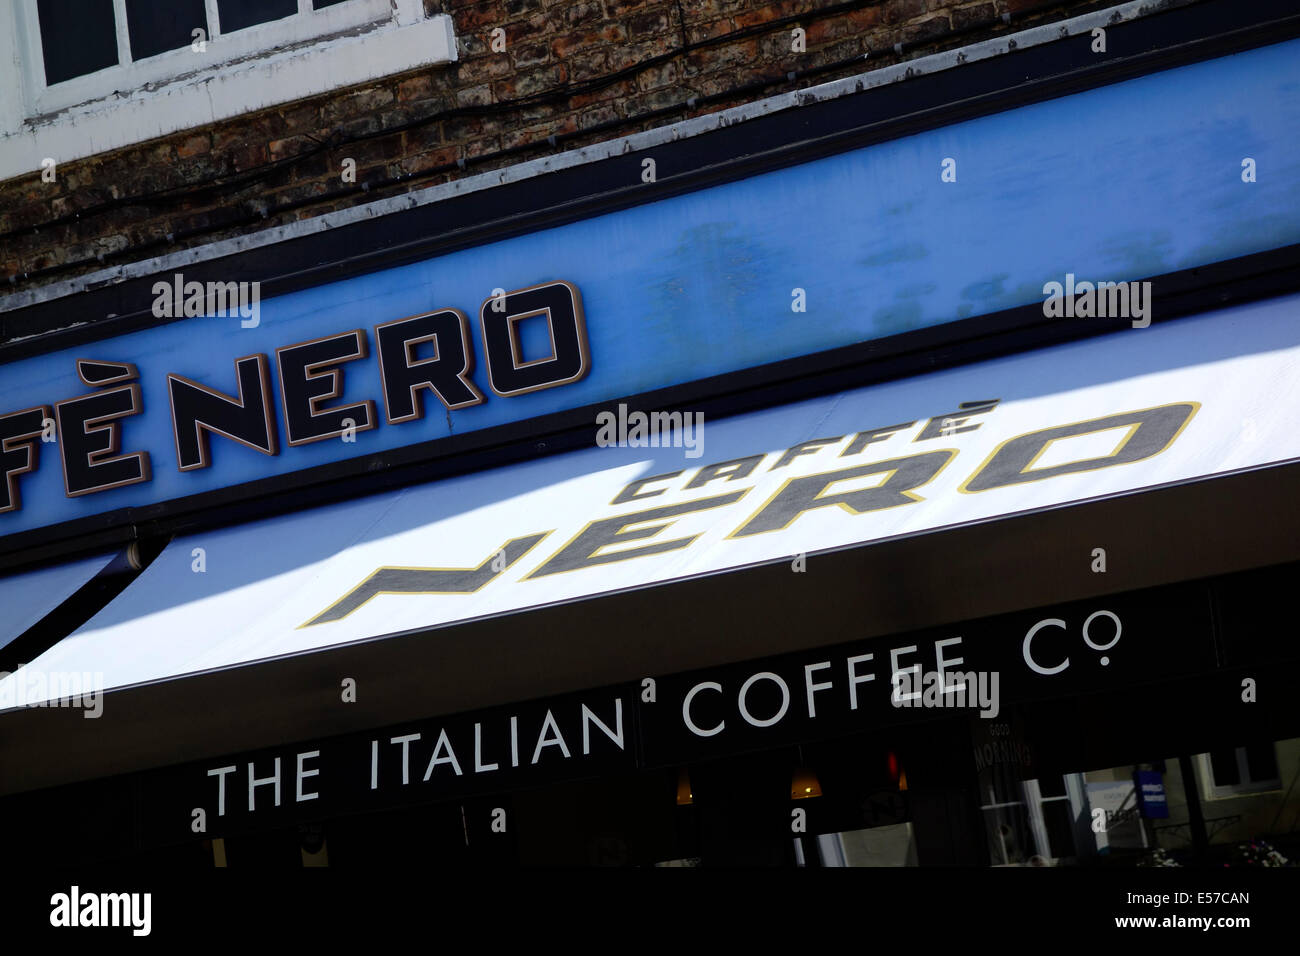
<point x="1156" y="174"/>
<point x="1151" y="794"/>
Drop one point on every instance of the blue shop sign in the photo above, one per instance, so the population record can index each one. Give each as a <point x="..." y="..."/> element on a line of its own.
<point x="1114" y="184"/>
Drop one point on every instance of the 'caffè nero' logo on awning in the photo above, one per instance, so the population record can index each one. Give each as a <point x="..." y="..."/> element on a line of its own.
<point x="1135" y="435"/>
<point x="432" y="352"/>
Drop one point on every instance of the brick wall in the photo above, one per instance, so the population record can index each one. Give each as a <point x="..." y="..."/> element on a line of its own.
<point x="573" y="72"/>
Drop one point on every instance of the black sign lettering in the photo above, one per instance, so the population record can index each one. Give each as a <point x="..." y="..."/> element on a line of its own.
<point x="954" y="423"/>
<point x="306" y="380"/>
<point x="445" y="373"/>
<point x="90" y="437"/>
<point x="197" y="409"/>
<point x="429" y="580"/>
<point x="1150" y="432"/>
<point x="804" y="494"/>
<point x="97" y="374"/>
<point x="510" y="372"/>
<point x="634" y="490"/>
<point x="862" y="439"/>
<point x="19" y="451"/>
<point x="580" y="552"/>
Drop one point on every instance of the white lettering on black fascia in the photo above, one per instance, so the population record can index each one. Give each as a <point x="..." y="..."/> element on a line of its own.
<point x="413" y="759"/>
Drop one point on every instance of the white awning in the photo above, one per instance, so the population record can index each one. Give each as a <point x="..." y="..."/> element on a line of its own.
<point x="26" y="598"/>
<point x="1172" y="403"/>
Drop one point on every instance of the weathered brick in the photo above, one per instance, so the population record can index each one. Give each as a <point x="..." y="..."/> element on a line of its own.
<point x="475" y="96"/>
<point x="284" y="148"/>
<point x="719" y="83"/>
<point x="722" y="57"/>
<point x="363" y="101"/>
<point x="419" y="162"/>
<point x="477" y="17"/>
<point x="633" y="54"/>
<point x="768" y="12"/>
<point x="250" y="159"/>
<point x="868" y="18"/>
<point x="302" y="117"/>
<point x="650" y="23"/>
<point x="540" y="27"/>
<point x="584" y="13"/>
<point x="596" y="116"/>
<point x="658" y="99"/>
<point x="425" y="137"/>
<point x="460" y="128"/>
<point x="518" y="8"/>
<point x="564" y="46"/>
<point x="474" y="72"/>
<point x="927" y="29"/>
<point x="588" y="65"/>
<point x="482" y="146"/>
<point x="376" y="150"/>
<point x="852" y="47"/>
<point x="529" y="84"/>
<point x="530" y="54"/>
<point x="225" y="138"/>
<point x="538" y="134"/>
<point x="655" y="77"/>
<point x="298" y="193"/>
<point x="414" y="88"/>
<point x="617" y="8"/>
<point x="900" y="11"/>
<point x="359" y="127"/>
<point x="699" y="32"/>
<point x="194" y="144"/>
<point x="614" y="91"/>
<point x="95" y="248"/>
<point x="966" y="17"/>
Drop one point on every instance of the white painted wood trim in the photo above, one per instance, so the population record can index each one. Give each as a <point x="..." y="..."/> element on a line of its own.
<point x="231" y="84"/>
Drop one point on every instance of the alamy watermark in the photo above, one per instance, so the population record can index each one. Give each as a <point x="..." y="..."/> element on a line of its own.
<point x="961" y="689"/>
<point x="181" y="299"/>
<point x="75" y="908"/>
<point x="639" y="429"/>
<point x="27" y="687"/>
<point x="1100" y="300"/>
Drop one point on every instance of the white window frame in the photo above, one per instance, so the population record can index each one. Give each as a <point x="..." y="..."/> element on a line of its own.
<point x="308" y="53"/>
<point x="1246" y="787"/>
<point x="221" y="48"/>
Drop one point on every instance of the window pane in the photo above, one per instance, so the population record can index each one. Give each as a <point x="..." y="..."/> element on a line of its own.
<point x="1261" y="762"/>
<point x="1223" y="764"/>
<point x="77" y="37"/>
<point x="317" y="4"/>
<point x="156" y="26"/>
<point x="1060" y="828"/>
<point x="1052" y="785"/>
<point x="237" y="14"/>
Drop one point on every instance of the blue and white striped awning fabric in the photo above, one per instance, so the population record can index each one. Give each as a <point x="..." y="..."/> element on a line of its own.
<point x="1142" y="407"/>
<point x="27" y="597"/>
